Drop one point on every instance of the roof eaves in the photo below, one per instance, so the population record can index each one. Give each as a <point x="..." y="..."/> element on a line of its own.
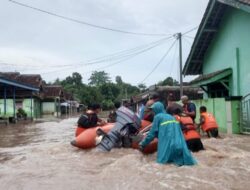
<point x="238" y="4"/>
<point x="211" y="77"/>
<point x="190" y="68"/>
<point x="198" y="35"/>
<point x="18" y="84"/>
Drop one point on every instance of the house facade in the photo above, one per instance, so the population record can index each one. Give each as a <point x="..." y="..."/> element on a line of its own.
<point x="30" y="93"/>
<point x="220" y="54"/>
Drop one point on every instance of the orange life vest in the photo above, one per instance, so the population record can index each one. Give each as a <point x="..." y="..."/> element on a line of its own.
<point x="190" y="132"/>
<point x="209" y="123"/>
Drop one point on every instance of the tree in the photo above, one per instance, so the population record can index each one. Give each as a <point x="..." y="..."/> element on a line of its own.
<point x="169" y="81"/>
<point x="142" y="87"/>
<point x="118" y="80"/>
<point x="110" y="91"/>
<point x="89" y="94"/>
<point x="99" y="78"/>
<point x="76" y="78"/>
<point x="57" y="81"/>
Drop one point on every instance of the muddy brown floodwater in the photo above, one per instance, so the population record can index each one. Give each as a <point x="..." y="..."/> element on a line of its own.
<point x="39" y="156"/>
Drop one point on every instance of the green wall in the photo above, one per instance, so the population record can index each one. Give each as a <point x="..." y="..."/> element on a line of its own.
<point x="33" y="105"/>
<point x="36" y="107"/>
<point x="225" y="112"/>
<point x="217" y="107"/>
<point x="234" y="32"/>
<point x="48" y="107"/>
<point x="9" y="107"/>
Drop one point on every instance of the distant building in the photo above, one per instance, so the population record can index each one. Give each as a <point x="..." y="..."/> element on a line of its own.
<point x="29" y="101"/>
<point x="193" y="93"/>
<point x="31" y="94"/>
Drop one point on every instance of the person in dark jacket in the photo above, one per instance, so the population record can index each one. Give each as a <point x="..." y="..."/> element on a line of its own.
<point x="90" y="118"/>
<point x="112" y="114"/>
<point x="189" y="108"/>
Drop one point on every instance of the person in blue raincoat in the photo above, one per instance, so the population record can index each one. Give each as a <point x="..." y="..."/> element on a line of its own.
<point x="172" y="147"/>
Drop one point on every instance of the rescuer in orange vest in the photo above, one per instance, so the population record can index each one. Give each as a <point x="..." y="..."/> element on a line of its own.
<point x="208" y="123"/>
<point x="190" y="134"/>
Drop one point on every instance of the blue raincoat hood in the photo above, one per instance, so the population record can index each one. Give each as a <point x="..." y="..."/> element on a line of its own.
<point x="157" y="108"/>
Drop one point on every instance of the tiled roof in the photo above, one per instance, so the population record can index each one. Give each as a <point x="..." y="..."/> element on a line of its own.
<point x="52" y="91"/>
<point x="207" y="76"/>
<point x="30" y="79"/>
<point x="10" y="75"/>
<point x="34" y="80"/>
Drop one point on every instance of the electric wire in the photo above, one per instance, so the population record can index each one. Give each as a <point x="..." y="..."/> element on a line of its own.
<point x="110" y="57"/>
<point x="83" y="22"/>
<point x="190" y="30"/>
<point x="126" y="53"/>
<point x="188" y="36"/>
<point x="155" y="67"/>
<point x="124" y="58"/>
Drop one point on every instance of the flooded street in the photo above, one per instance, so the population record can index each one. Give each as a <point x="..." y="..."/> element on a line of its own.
<point x="39" y="156"/>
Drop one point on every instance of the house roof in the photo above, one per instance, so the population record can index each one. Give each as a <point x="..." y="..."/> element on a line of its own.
<point x="34" y="80"/>
<point x="211" y="77"/>
<point x="207" y="30"/>
<point x="53" y="91"/>
<point x="19" y="85"/>
<point x="191" y="91"/>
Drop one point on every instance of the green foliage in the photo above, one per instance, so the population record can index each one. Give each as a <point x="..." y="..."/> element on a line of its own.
<point x="100" y="89"/>
<point x="142" y="87"/>
<point x="99" y="78"/>
<point x="21" y="113"/>
<point x="169" y="81"/>
<point x="89" y="94"/>
<point x="107" y="104"/>
<point x="118" y="80"/>
<point x="110" y="91"/>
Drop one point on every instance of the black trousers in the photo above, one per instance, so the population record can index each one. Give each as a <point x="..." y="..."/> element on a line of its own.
<point x="195" y="145"/>
<point x="213" y="133"/>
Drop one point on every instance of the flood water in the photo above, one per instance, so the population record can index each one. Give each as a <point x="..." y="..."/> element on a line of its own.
<point x="39" y="156"/>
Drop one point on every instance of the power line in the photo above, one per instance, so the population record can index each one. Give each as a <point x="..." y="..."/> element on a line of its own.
<point x="109" y="57"/>
<point x="83" y="22"/>
<point x="163" y="57"/>
<point x="124" y="53"/>
<point x="190" y="30"/>
<point x="127" y="57"/>
<point x="188" y="36"/>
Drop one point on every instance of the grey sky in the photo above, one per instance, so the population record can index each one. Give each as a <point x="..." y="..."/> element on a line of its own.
<point x="35" y="42"/>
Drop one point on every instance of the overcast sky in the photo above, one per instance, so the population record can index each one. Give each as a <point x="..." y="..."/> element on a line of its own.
<point x="34" y="42"/>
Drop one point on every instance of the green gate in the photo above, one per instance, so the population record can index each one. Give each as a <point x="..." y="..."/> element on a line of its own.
<point x="245" y="114"/>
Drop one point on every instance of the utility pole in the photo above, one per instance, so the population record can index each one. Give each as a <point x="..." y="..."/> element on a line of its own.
<point x="180" y="61"/>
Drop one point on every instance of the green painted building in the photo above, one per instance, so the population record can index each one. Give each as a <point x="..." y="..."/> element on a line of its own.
<point x="11" y="99"/>
<point x="53" y="95"/>
<point x="220" y="54"/>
